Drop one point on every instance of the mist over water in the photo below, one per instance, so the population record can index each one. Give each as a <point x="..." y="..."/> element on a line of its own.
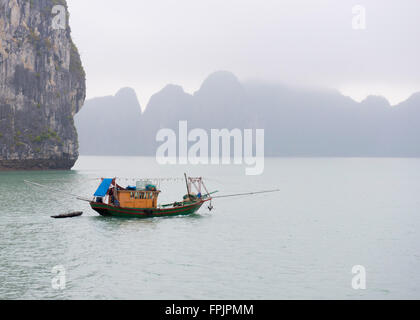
<point x="302" y="242"/>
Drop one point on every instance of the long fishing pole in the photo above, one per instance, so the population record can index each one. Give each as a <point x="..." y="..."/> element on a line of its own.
<point x="245" y="194"/>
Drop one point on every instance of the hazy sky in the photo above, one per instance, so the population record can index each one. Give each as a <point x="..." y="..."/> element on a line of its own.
<point x="148" y="44"/>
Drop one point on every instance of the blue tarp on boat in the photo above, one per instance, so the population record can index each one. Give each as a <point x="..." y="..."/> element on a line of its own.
<point x="103" y="188"/>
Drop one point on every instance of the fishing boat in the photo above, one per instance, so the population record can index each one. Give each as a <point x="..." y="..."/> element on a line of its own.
<point x="141" y="201"/>
<point x="111" y="199"/>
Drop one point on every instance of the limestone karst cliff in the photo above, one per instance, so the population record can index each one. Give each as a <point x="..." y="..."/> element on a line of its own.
<point x="42" y="86"/>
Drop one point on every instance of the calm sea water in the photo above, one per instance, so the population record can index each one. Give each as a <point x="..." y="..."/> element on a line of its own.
<point x="300" y="243"/>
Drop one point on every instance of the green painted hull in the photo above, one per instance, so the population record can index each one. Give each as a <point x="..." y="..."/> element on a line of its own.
<point x="112" y="211"/>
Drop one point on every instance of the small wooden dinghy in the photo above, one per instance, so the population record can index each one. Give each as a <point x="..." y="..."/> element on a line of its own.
<point x="68" y="215"/>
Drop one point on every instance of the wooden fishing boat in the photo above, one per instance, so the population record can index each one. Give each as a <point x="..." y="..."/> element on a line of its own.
<point x="110" y="199"/>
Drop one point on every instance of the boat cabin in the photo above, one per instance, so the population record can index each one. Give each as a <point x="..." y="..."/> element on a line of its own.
<point x="137" y="199"/>
<point x="109" y="192"/>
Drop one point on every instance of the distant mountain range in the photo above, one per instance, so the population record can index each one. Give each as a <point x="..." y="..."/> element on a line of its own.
<point x="110" y="125"/>
<point x="297" y="121"/>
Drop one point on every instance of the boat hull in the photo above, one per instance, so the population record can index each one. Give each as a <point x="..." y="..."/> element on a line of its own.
<point x="112" y="211"/>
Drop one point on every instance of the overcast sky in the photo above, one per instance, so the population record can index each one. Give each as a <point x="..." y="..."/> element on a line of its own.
<point x="148" y="44"/>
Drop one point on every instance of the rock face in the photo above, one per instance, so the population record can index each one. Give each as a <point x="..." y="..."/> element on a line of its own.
<point x="42" y="86"/>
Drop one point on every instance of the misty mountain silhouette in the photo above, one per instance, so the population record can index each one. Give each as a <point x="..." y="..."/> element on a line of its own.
<point x="107" y="125"/>
<point x="297" y="121"/>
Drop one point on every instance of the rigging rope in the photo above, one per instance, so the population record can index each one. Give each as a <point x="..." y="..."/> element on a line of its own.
<point x="57" y="190"/>
<point x="245" y="194"/>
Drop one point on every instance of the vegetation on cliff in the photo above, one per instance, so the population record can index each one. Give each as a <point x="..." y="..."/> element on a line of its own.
<point x="42" y="86"/>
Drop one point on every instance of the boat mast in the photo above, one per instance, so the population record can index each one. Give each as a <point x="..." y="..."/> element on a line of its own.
<point x="188" y="188"/>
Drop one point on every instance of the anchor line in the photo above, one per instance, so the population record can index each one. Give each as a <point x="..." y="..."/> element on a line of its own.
<point x="78" y="197"/>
